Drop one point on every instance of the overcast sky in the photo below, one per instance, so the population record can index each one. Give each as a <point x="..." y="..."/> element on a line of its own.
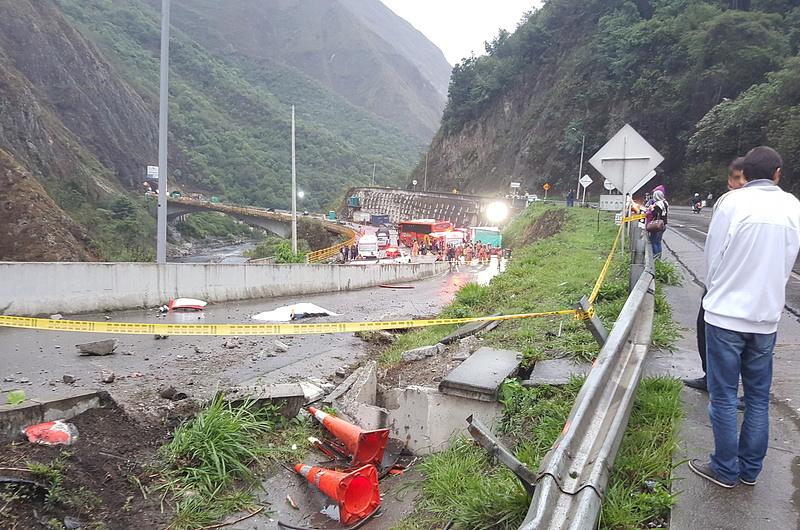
<point x="459" y="27"/>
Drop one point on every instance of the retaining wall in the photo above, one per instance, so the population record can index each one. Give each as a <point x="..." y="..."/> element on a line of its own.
<point x="28" y="289"/>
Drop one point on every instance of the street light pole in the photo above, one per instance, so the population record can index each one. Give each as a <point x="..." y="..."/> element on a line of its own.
<point x="163" y="109"/>
<point x="294" y="192"/>
<point x="580" y="168"/>
<point x="425" y="182"/>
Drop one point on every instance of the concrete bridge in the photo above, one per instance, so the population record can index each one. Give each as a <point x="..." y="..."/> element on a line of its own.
<point x="278" y="223"/>
<point x="401" y="205"/>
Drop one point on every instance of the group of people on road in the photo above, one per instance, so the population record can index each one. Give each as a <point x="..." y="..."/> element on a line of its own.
<point x="751" y="247"/>
<point x="469" y="251"/>
<point x="349" y="253"/>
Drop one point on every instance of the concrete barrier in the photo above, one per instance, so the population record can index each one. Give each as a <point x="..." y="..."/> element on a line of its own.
<point x="29" y="289"/>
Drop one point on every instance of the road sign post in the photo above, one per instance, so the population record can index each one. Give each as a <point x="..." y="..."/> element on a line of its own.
<point x="546" y="188"/>
<point x="585" y="181"/>
<point x="626" y="160"/>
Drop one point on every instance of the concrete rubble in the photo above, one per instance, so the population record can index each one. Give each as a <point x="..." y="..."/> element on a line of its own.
<point x="100" y="347"/>
<point x="556" y="372"/>
<point x="417" y="354"/>
<point x="424" y="418"/>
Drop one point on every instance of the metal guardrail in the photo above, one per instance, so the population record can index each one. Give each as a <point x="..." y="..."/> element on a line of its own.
<point x="312" y="257"/>
<point x="573" y="476"/>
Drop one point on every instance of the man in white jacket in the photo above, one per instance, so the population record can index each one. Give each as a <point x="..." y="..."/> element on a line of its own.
<point x="751" y="248"/>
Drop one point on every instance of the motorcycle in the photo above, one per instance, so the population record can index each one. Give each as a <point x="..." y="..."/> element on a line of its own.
<point x="697" y="206"/>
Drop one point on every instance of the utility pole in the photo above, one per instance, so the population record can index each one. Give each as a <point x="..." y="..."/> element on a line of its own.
<point x="373" y="172"/>
<point x="425" y="181"/>
<point x="294" y="192"/>
<point x="580" y="168"/>
<point x="163" y="108"/>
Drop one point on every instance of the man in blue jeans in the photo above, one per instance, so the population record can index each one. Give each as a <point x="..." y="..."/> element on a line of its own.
<point x="751" y="248"/>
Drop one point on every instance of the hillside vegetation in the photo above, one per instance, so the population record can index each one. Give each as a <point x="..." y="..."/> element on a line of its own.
<point x="702" y="81"/>
<point x="79" y="100"/>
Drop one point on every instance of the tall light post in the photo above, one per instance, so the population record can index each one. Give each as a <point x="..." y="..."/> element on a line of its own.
<point x="294" y="192"/>
<point x="580" y="167"/>
<point x="163" y="108"/>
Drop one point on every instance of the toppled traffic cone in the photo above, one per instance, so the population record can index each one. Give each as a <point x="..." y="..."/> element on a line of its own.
<point x="52" y="433"/>
<point x="356" y="492"/>
<point x="366" y="447"/>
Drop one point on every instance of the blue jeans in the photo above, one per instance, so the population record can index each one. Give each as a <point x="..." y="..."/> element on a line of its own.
<point x="731" y="353"/>
<point x="655" y="240"/>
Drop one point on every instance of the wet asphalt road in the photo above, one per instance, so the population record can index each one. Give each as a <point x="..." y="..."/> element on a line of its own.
<point x="36" y="361"/>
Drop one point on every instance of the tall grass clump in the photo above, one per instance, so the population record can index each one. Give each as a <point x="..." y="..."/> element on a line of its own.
<point x="211" y="459"/>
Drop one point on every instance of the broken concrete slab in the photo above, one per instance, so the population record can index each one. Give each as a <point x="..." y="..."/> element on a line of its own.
<point x="107" y="376"/>
<point x="466" y="347"/>
<point x="471" y="329"/>
<point x="480" y="376"/>
<point x="556" y="372"/>
<point x="280" y="347"/>
<point x="311" y="392"/>
<point x="290" y="397"/>
<point x="417" y="354"/>
<point x="100" y="347"/>
<point x="427" y="420"/>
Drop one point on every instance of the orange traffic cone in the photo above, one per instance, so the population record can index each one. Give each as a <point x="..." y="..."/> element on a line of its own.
<point x="366" y="446"/>
<point x="355" y="492"/>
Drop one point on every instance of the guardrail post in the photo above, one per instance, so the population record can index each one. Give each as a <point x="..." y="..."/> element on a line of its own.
<point x="593" y="323"/>
<point x="639" y="242"/>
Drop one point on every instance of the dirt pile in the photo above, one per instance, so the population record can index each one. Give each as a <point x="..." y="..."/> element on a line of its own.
<point x="102" y="478"/>
<point x="34" y="228"/>
<point x="549" y="224"/>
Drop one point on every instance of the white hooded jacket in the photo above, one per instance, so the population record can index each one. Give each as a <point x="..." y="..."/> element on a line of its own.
<point x="752" y="245"/>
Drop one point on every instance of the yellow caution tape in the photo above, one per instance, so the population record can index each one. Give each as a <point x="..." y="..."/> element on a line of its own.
<point x="602" y="278"/>
<point x="128" y="328"/>
<point x="630" y="219"/>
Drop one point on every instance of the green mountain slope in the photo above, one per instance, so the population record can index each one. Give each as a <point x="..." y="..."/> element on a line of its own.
<point x="231" y="133"/>
<point x="580" y="67"/>
<point x="359" y="50"/>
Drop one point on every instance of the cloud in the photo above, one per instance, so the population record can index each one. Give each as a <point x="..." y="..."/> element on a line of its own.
<point x="460" y="27"/>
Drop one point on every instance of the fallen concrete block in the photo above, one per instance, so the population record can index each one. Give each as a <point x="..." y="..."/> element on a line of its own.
<point x="289" y="397"/>
<point x="417" y="354"/>
<point x="100" y="347"/>
<point x="556" y="372"/>
<point x="471" y="329"/>
<point x="480" y="376"/>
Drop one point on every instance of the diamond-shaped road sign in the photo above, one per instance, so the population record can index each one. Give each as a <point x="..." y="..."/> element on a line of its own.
<point x="586" y="181"/>
<point x="627" y="160"/>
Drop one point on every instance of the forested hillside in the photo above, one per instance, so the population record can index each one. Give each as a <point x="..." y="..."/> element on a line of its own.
<point x="78" y="117"/>
<point x="702" y="80"/>
<point x="357" y="49"/>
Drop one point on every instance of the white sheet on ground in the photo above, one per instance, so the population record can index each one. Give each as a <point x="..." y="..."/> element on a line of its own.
<point x="293" y="312"/>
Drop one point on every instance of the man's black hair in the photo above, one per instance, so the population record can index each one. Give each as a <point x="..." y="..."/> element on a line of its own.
<point x="737" y="164"/>
<point x="761" y="163"/>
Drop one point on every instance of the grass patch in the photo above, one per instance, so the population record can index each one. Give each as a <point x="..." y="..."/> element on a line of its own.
<point x="639" y="489"/>
<point x="462" y="484"/>
<point x="211" y="461"/>
<point x="667" y="273"/>
<point x="53" y="474"/>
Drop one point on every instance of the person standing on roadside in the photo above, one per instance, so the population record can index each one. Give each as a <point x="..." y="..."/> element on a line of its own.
<point x="735" y="181"/>
<point x="658" y="211"/>
<point x="752" y="245"/>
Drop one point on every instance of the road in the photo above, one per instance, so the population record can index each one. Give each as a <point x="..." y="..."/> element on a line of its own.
<point x="36" y="361"/>
<point x="694" y="227"/>
<point x="775" y="501"/>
